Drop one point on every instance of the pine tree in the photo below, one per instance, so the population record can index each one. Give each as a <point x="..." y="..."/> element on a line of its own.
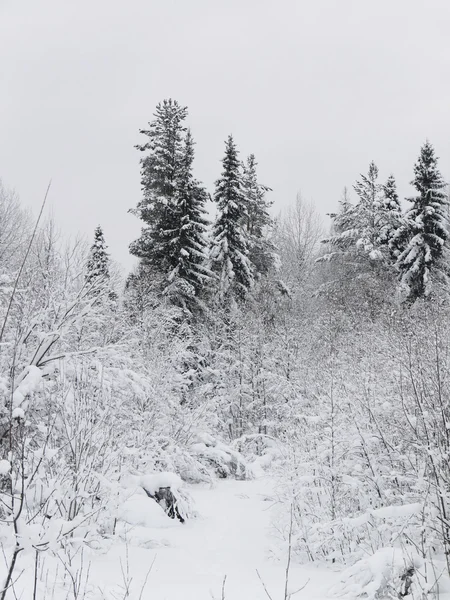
<point x="160" y="170"/>
<point x="368" y="210"/>
<point x="345" y="202"/>
<point x="426" y="229"/>
<point x="97" y="268"/>
<point x="342" y="227"/>
<point x="229" y="253"/>
<point x="356" y="227"/>
<point x="172" y="246"/>
<point x="390" y="219"/>
<point x="358" y="251"/>
<point x="188" y="248"/>
<point x="257" y="221"/>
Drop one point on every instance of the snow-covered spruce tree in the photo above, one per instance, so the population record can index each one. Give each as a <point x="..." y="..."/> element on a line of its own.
<point x="391" y="218"/>
<point x="172" y="245"/>
<point x="359" y="258"/>
<point x="368" y="211"/>
<point x="426" y="229"/>
<point x="343" y="228"/>
<point x="160" y="169"/>
<point x="229" y="252"/>
<point x="97" y="267"/>
<point x="98" y="275"/>
<point x="257" y="221"/>
<point x="189" y="247"/>
<point x="357" y="227"/>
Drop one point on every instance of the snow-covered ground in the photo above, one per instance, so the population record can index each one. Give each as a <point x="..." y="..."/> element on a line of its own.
<point x="232" y="537"/>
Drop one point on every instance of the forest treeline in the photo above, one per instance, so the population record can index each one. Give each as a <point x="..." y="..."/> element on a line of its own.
<point x="192" y="266"/>
<point x="322" y="355"/>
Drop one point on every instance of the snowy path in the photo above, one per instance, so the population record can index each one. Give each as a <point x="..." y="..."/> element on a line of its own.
<point x="230" y="538"/>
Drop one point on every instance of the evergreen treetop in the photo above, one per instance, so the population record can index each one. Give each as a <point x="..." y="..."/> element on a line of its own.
<point x="172" y="243"/>
<point x="159" y="180"/>
<point x="257" y="220"/>
<point x="426" y="229"/>
<point x="97" y="267"/>
<point x="188" y="248"/>
<point x="391" y="218"/>
<point x="357" y="226"/>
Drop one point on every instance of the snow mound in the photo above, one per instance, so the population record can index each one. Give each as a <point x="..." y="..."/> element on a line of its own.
<point x="163" y="489"/>
<point x="141" y="537"/>
<point x="143" y="511"/>
<point x="153" y="482"/>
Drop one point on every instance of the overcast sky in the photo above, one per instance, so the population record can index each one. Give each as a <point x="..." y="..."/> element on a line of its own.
<point x="314" y="88"/>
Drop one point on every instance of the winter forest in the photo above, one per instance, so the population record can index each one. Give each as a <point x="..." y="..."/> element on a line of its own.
<point x="279" y="378"/>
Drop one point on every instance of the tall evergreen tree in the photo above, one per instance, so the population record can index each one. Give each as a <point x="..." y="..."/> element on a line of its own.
<point x="391" y="218"/>
<point x="358" y="251"/>
<point x="172" y="245"/>
<point x="160" y="170"/>
<point x="426" y="229"/>
<point x="188" y="248"/>
<point x="257" y="220"/>
<point x="342" y="225"/>
<point x="229" y="252"/>
<point x="368" y="209"/>
<point x="356" y="227"/>
<point x="97" y="268"/>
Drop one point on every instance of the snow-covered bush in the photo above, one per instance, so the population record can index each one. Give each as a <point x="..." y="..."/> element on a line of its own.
<point x="222" y="459"/>
<point x="388" y="574"/>
<point x="366" y="460"/>
<point x="260" y="450"/>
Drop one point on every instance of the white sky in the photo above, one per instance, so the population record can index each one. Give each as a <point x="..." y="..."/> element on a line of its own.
<point x="316" y="89"/>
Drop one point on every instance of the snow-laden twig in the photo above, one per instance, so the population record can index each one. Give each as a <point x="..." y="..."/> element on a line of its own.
<point x="264" y="585"/>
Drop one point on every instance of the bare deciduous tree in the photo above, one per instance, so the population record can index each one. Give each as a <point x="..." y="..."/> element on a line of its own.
<point x="14" y="227"/>
<point x="299" y="230"/>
